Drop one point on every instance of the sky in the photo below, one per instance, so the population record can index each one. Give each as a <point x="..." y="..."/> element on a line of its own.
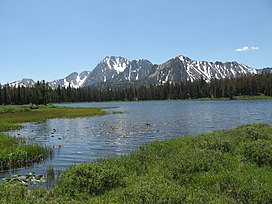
<point x="49" y="39"/>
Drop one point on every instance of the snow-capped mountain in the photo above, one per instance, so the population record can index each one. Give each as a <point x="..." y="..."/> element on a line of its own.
<point x="106" y="70"/>
<point x="120" y="71"/>
<point x="182" y="68"/>
<point x="22" y="83"/>
<point x="74" y="80"/>
<point x="135" y="71"/>
<point x="266" y="70"/>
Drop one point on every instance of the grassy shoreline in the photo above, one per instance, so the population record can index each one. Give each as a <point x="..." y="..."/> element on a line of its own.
<point x="13" y="151"/>
<point x="243" y="97"/>
<point x="230" y="166"/>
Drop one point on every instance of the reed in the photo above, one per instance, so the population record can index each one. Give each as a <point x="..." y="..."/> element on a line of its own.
<point x="13" y="151"/>
<point x="21" y="155"/>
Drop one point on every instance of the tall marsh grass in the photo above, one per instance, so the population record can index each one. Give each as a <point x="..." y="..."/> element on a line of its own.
<point x="22" y="156"/>
<point x="229" y="166"/>
<point x="13" y="151"/>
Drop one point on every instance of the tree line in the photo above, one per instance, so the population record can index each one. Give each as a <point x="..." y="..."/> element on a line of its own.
<point x="41" y="93"/>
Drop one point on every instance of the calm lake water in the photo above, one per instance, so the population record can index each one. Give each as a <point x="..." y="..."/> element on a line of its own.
<point x="81" y="140"/>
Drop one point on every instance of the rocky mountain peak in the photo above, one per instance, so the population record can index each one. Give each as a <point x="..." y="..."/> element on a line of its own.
<point x="114" y="62"/>
<point x="119" y="70"/>
<point x="23" y="83"/>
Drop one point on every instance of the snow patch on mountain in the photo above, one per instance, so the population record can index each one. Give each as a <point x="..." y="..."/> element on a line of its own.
<point x="209" y="70"/>
<point x="22" y="83"/>
<point x="73" y="80"/>
<point x="118" y="70"/>
<point x="117" y="63"/>
<point x="106" y="70"/>
<point x="136" y="70"/>
<point x="182" y="68"/>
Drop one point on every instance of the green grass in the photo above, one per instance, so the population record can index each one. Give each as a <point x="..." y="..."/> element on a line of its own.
<point x="245" y="97"/>
<point x="14" y="109"/>
<point x="13" y="151"/>
<point x="25" y="114"/>
<point x="21" y="155"/>
<point x="258" y="97"/>
<point x="231" y="166"/>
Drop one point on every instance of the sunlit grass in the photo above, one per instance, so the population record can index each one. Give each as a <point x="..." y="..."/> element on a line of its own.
<point x="14" y="109"/>
<point x="21" y="155"/>
<point x="257" y="97"/>
<point x="23" y="114"/>
<point x="244" y="97"/>
<point x="232" y="166"/>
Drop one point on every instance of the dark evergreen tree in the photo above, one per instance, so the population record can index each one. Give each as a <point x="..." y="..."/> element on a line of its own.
<point x="41" y="93"/>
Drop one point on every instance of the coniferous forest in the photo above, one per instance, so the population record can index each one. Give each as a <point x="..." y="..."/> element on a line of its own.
<point x="41" y="93"/>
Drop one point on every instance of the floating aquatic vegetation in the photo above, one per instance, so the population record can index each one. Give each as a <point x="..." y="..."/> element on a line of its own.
<point x="148" y="123"/>
<point x="26" y="179"/>
<point x="117" y="112"/>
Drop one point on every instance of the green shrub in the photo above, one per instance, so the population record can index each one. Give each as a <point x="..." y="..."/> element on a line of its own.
<point x="154" y="189"/>
<point x="197" y="161"/>
<point x="248" y="184"/>
<point x="252" y="132"/>
<point x="220" y="141"/>
<point x="12" y="192"/>
<point x="92" y="178"/>
<point x="259" y="151"/>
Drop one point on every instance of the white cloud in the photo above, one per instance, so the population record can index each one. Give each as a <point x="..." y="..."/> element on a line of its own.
<point x="246" y="48"/>
<point x="254" y="48"/>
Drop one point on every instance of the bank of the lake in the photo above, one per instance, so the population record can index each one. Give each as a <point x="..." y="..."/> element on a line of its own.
<point x="14" y="152"/>
<point x="242" y="97"/>
<point x="84" y="139"/>
<point x="229" y="166"/>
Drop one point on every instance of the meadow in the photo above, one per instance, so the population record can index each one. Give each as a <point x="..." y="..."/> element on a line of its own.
<point x="229" y="166"/>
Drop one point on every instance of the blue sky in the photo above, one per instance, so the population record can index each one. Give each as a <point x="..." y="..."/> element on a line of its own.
<point x="49" y="39"/>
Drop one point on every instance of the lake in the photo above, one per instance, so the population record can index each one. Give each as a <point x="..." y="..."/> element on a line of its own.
<point x="129" y="125"/>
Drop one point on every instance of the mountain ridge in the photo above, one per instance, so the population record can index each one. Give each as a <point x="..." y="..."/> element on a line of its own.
<point x="119" y="70"/>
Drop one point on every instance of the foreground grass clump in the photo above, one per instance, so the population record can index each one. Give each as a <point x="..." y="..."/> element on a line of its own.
<point x="232" y="166"/>
<point x="93" y="178"/>
<point x="13" y="151"/>
<point x="16" y="154"/>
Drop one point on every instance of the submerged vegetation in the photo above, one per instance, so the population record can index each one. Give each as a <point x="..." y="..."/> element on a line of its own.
<point x="230" y="166"/>
<point x="14" y="152"/>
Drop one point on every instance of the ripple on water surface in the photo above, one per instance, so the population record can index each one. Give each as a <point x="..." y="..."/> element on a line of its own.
<point x="80" y="140"/>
